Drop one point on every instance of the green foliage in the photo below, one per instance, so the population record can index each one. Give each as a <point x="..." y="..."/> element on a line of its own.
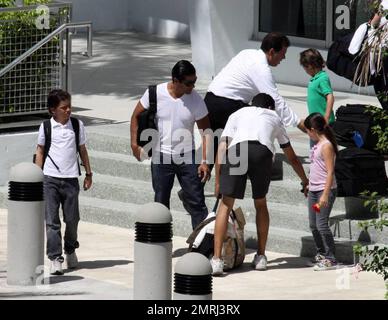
<point x="375" y="258"/>
<point x="380" y="128"/>
<point x="23" y="88"/>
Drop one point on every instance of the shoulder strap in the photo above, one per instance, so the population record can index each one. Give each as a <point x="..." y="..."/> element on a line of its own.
<point x="75" y="124"/>
<point x="190" y="240"/>
<point x="152" y="98"/>
<point x="47" y="138"/>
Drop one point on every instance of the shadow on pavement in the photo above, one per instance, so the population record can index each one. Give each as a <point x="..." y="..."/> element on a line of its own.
<point x="28" y="123"/>
<point x="60" y="279"/>
<point x="98" y="264"/>
<point x="289" y="263"/>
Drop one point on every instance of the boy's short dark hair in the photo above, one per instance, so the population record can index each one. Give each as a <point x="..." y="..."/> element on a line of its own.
<point x="311" y="57"/>
<point x="181" y="69"/>
<point x="55" y="97"/>
<point x="263" y="100"/>
<point x="276" y="41"/>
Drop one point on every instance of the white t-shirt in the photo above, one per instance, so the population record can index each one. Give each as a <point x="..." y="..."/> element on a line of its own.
<point x="247" y="75"/>
<point x="62" y="150"/>
<point x="175" y="119"/>
<point x="256" y="124"/>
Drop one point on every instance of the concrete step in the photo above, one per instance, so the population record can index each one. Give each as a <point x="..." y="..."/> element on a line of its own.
<point x="287" y="240"/>
<point x="119" y="165"/>
<point x="288" y="216"/>
<point x="115" y="138"/>
<point x="280" y="240"/>
<point x="138" y="191"/>
<point x="124" y="166"/>
<point x="116" y="164"/>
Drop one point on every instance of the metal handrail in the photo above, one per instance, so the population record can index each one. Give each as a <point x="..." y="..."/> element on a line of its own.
<point x="41" y="43"/>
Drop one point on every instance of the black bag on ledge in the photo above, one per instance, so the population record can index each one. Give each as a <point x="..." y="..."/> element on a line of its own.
<point x="357" y="170"/>
<point x="352" y="127"/>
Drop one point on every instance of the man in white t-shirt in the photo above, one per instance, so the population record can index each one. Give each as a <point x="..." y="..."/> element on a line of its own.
<point x="248" y="141"/>
<point x="179" y="107"/>
<point x="246" y="75"/>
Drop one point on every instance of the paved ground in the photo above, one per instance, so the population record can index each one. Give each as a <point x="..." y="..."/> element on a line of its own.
<point x="106" y="272"/>
<point x="108" y="86"/>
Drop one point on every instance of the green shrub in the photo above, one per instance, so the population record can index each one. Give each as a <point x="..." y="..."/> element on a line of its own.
<point x="25" y="87"/>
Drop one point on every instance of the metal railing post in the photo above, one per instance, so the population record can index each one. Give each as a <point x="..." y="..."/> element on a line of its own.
<point x="68" y="61"/>
<point x="90" y="41"/>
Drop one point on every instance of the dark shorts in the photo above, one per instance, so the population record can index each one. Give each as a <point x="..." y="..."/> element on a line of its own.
<point x="247" y="159"/>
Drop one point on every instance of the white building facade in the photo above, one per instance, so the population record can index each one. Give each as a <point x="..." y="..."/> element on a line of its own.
<point x="219" y="29"/>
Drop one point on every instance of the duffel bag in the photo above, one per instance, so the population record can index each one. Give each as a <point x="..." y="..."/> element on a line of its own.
<point x="352" y="127"/>
<point x="357" y="170"/>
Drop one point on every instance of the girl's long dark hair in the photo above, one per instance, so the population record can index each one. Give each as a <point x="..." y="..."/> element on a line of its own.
<point x="318" y="122"/>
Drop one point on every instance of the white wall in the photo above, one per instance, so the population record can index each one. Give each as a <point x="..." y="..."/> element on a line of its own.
<point x="105" y="15"/>
<point x="230" y="30"/>
<point x="165" y="18"/>
<point x="218" y="30"/>
<point x="201" y="35"/>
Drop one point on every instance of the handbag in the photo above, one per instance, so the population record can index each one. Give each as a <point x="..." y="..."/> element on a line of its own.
<point x="146" y="120"/>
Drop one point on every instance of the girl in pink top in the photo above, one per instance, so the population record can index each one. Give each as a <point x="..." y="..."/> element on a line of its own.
<point x="322" y="189"/>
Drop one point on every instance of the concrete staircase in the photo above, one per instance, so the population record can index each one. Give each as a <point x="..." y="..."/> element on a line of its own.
<point x="121" y="185"/>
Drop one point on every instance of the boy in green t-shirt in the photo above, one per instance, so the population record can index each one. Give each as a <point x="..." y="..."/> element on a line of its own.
<point x="320" y="96"/>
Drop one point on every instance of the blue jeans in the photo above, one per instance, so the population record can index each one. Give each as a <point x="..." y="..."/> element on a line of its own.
<point x="61" y="192"/>
<point x="319" y="224"/>
<point x="163" y="175"/>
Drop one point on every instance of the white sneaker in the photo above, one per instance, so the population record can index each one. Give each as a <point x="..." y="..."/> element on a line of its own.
<point x="259" y="262"/>
<point x="56" y="267"/>
<point x="71" y="260"/>
<point x="217" y="266"/>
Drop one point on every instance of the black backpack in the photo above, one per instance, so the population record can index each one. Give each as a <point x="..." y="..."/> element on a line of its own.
<point x="341" y="62"/>
<point x="47" y="136"/>
<point x="146" y="120"/>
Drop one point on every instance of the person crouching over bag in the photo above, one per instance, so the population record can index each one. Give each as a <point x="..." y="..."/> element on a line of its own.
<point x="248" y="143"/>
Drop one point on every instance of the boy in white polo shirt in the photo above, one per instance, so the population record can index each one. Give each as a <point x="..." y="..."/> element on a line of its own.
<point x="59" y="162"/>
<point x="249" y="137"/>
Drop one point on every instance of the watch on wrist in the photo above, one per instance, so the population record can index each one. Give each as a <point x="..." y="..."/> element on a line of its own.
<point x="89" y="174"/>
<point x="204" y="162"/>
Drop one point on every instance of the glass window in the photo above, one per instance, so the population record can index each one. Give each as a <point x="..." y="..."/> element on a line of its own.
<point x="344" y="23"/>
<point x="299" y="18"/>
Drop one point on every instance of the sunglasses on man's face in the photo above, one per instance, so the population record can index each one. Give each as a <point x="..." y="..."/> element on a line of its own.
<point x="189" y="83"/>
